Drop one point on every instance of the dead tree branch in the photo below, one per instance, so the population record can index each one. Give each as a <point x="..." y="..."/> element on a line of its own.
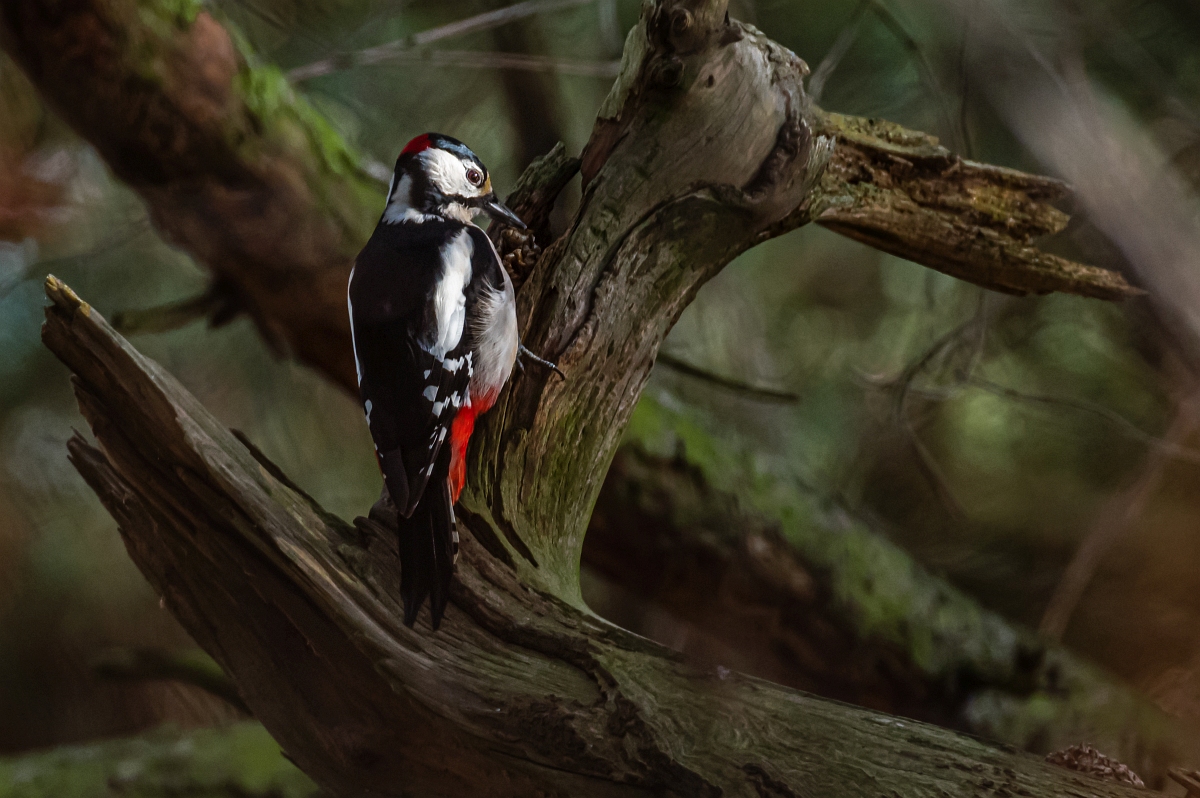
<point x="902" y="192"/>
<point x="706" y="146"/>
<point x="520" y="692"/>
<point x="400" y="50"/>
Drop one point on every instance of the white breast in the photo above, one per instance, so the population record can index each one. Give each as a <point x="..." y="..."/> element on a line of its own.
<point x="449" y="298"/>
<point x="495" y="332"/>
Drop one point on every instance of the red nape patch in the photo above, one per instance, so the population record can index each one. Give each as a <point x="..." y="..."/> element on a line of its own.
<point x="418" y="144"/>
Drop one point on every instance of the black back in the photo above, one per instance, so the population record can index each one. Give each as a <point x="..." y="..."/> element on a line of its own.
<point x="392" y="314"/>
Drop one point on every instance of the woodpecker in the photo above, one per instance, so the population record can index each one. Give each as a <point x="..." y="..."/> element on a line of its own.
<point x="434" y="326"/>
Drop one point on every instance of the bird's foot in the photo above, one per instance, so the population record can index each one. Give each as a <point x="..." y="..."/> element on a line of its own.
<point x="523" y="352"/>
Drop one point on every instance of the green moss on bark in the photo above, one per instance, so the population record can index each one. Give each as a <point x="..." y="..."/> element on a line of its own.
<point x="236" y="761"/>
<point x="1001" y="680"/>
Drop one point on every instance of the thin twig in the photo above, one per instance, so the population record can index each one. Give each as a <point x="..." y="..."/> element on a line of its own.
<point x="932" y="472"/>
<point x="925" y="459"/>
<point x="756" y="392"/>
<point x="841" y="45"/>
<point x="903" y="387"/>
<point x="1162" y="445"/>
<point x="127" y="235"/>
<point x="964" y="89"/>
<point x="903" y="382"/>
<point x="392" y="51"/>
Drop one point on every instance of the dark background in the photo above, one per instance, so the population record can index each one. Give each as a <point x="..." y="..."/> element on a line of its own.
<point x="1027" y="427"/>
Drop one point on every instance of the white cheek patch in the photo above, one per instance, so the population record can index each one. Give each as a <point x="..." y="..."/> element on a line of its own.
<point x="448" y="173"/>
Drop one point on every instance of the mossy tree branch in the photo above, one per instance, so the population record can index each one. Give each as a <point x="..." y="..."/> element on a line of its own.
<point x="234" y="167"/>
<point x="900" y="191"/>
<point x="749" y="158"/>
<point x="706" y="146"/>
<point x="520" y="693"/>
<point x="740" y="569"/>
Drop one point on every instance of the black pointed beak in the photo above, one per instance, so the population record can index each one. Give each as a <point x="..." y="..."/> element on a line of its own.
<point x="497" y="210"/>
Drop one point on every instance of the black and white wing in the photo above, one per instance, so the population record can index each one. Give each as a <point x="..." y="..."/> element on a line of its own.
<point x="407" y="310"/>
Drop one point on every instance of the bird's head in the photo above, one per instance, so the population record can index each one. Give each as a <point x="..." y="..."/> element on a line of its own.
<point x="439" y="177"/>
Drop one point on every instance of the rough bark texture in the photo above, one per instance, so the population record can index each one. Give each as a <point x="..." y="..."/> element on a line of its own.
<point x="749" y="158"/>
<point x="705" y="147"/>
<point x="520" y="694"/>
<point x="900" y="191"/>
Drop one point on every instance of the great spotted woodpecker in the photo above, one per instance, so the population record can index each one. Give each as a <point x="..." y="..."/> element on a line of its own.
<point x="434" y="325"/>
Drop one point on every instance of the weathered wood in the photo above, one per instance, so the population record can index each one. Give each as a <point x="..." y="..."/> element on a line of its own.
<point x="900" y="191"/>
<point x="520" y="694"/>
<point x="749" y="158"/>
<point x="706" y="146"/>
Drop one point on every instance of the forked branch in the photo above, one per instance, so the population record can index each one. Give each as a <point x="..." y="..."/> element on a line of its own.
<point x="519" y="694"/>
<point x="239" y="170"/>
<point x="706" y="146"/>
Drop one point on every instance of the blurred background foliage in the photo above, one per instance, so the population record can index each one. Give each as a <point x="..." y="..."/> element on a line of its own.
<point x="990" y="436"/>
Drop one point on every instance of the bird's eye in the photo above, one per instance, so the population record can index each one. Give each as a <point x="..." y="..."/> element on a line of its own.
<point x="475" y="177"/>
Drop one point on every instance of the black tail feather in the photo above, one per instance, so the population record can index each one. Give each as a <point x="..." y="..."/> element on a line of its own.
<point x="427" y="548"/>
<point x="395" y="477"/>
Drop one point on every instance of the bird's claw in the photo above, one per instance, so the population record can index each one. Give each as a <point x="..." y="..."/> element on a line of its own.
<point x="522" y="351"/>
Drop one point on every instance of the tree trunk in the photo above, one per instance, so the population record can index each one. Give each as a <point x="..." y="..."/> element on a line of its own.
<point x="706" y="146"/>
<point x="519" y="694"/>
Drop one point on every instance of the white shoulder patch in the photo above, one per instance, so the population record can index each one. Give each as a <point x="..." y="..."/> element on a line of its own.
<point x="449" y="296"/>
